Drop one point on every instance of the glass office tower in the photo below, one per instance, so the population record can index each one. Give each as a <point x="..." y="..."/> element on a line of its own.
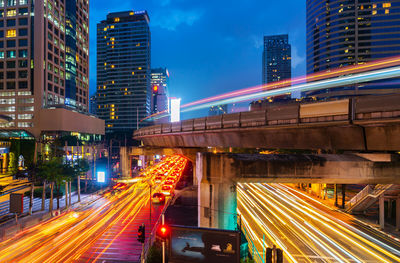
<point x="342" y="33"/>
<point x="123" y="71"/>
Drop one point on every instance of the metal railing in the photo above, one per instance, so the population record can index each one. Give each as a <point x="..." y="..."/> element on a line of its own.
<point x="361" y="195"/>
<point x="150" y="240"/>
<point x="368" y="191"/>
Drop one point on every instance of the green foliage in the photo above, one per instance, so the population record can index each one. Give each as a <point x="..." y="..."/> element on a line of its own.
<point x="246" y="260"/>
<point x="154" y="255"/>
<point x="39" y="191"/>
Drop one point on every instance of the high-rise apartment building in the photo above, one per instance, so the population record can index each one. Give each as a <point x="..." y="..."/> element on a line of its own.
<point x="123" y="71"/>
<point x="159" y="82"/>
<point x="44" y="66"/>
<point x="277" y="59"/>
<point x="342" y="33"/>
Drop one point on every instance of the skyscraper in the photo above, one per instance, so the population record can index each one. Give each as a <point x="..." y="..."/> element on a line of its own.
<point x="159" y="83"/>
<point x="123" y="71"/>
<point x="276" y="59"/>
<point x="93" y="104"/>
<point x="341" y="33"/>
<point x="44" y="66"/>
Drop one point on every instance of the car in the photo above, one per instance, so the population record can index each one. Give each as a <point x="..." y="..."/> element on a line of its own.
<point x="169" y="182"/>
<point x="166" y="189"/>
<point x="173" y="179"/>
<point x="120" y="186"/>
<point x="158" y="179"/>
<point x="158" y="198"/>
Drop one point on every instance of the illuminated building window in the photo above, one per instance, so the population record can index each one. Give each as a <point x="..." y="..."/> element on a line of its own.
<point x="116" y="19"/>
<point x="140" y="68"/>
<point x="373" y="5"/>
<point x="11" y="12"/>
<point x="112" y="26"/>
<point x="386" y="5"/>
<point x="374" y="12"/>
<point x="11" y="33"/>
<point x="11" y="2"/>
<point x="386" y="11"/>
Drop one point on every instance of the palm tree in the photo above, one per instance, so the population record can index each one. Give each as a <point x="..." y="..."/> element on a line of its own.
<point x="68" y="174"/>
<point x="82" y="167"/>
<point x="50" y="171"/>
<point x="32" y="170"/>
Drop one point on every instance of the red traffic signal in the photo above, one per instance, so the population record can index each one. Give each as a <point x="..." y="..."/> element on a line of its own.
<point x="141" y="235"/>
<point x="155" y="88"/>
<point x="163" y="232"/>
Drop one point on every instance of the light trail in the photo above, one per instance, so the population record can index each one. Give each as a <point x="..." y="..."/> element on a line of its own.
<point x="68" y="238"/>
<point x="304" y="231"/>
<point x="371" y="71"/>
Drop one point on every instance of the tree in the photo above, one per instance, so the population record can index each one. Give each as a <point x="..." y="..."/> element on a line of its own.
<point x="51" y="171"/>
<point x="69" y="173"/>
<point x="82" y="167"/>
<point x="32" y="171"/>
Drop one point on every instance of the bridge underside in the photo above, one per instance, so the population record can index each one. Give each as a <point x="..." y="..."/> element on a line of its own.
<point x="357" y="136"/>
<point x="217" y="175"/>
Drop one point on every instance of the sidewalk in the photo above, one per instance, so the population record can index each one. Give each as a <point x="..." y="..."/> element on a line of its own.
<point x="370" y="221"/>
<point x="10" y="228"/>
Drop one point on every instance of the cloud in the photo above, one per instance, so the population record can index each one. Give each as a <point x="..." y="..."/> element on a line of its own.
<point x="165" y="2"/>
<point x="257" y="41"/>
<point x="171" y="19"/>
<point x="296" y="58"/>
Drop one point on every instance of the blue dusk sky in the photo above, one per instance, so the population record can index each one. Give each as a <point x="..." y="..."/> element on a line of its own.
<point x="210" y="47"/>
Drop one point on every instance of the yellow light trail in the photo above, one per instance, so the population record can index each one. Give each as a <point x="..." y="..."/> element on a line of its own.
<point x="296" y="226"/>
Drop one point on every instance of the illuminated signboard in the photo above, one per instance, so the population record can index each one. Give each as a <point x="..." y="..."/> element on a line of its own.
<point x="101" y="177"/>
<point x="175" y="110"/>
<point x="204" y="245"/>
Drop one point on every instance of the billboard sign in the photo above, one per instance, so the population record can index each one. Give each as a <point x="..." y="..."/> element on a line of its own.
<point x="101" y="177"/>
<point x="204" y="245"/>
<point x="16" y="203"/>
<point x="175" y="110"/>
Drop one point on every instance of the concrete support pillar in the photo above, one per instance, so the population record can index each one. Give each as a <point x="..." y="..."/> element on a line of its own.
<point x="125" y="162"/>
<point x="216" y="192"/>
<point x="381" y="212"/>
<point x="343" y="195"/>
<point x="390" y="206"/>
<point x="398" y="213"/>
<point x="336" y="194"/>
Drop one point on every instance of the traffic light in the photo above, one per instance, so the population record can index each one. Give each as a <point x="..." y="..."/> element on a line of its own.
<point x="141" y="234"/>
<point x="163" y="232"/>
<point x="274" y="255"/>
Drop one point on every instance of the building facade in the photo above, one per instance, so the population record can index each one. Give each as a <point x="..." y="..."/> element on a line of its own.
<point x="93" y="104"/>
<point x="159" y="82"/>
<point x="123" y="71"/>
<point x="342" y="33"/>
<point x="44" y="51"/>
<point x="277" y="59"/>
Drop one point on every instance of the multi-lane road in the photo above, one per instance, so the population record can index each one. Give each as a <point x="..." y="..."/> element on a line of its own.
<point x="104" y="230"/>
<point x="307" y="230"/>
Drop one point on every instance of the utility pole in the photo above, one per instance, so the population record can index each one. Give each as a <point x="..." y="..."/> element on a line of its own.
<point x="163" y="242"/>
<point x="109" y="156"/>
<point x="150" y="207"/>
